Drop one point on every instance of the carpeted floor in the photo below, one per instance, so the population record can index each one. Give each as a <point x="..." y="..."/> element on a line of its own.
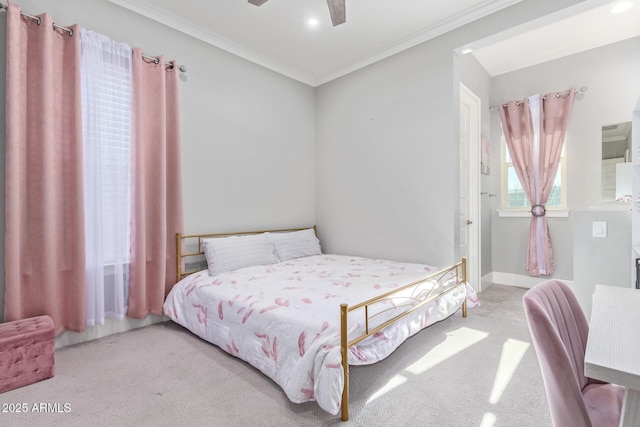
<point x="478" y="371"/>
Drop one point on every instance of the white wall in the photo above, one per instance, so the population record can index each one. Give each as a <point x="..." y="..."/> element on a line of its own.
<point x="248" y="134"/>
<point x="611" y="75"/>
<point x="387" y="148"/>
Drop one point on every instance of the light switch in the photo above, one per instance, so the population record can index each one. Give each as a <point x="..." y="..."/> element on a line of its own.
<point x="599" y="229"/>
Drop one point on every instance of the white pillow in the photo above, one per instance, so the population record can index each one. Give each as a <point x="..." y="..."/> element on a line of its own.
<point x="234" y="252"/>
<point x="295" y="244"/>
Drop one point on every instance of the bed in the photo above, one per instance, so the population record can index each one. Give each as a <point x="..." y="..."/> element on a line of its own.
<point x="302" y="317"/>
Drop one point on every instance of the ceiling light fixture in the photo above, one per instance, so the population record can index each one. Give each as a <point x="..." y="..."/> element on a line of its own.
<point x="337" y="10"/>
<point x="312" y="22"/>
<point x="623" y="6"/>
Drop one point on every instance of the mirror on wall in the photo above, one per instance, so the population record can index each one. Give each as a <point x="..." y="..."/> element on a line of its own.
<point x="616" y="162"/>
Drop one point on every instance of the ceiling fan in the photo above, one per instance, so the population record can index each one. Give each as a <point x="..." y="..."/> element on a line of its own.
<point x="336" y="10"/>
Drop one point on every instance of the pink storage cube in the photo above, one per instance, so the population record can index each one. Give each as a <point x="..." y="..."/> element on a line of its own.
<point x="26" y="352"/>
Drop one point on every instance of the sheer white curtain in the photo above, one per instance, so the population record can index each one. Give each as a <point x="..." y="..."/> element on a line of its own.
<point x="106" y="119"/>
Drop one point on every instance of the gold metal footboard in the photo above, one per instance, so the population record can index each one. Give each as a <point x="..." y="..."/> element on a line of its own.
<point x="442" y="282"/>
<point x="189" y="252"/>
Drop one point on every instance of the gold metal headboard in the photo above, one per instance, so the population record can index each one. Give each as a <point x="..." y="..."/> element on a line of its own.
<point x="182" y="238"/>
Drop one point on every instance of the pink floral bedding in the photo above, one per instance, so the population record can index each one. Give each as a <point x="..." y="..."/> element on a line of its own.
<point x="284" y="318"/>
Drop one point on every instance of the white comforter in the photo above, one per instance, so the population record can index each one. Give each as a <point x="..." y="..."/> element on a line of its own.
<point x="284" y="318"/>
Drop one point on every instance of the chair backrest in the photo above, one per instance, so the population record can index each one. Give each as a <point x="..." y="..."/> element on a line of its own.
<point x="559" y="331"/>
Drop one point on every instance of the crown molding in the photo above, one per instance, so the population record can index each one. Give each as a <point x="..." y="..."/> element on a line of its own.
<point x="157" y="14"/>
<point x="467" y="16"/>
<point x="451" y="23"/>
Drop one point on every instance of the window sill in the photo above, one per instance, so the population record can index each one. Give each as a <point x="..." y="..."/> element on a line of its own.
<point x="523" y="213"/>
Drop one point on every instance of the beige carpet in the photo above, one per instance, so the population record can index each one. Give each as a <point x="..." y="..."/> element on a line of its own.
<point x="478" y="371"/>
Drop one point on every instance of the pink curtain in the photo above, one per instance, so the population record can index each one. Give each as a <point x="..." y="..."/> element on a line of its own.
<point x="44" y="239"/>
<point x="534" y="130"/>
<point x="156" y="211"/>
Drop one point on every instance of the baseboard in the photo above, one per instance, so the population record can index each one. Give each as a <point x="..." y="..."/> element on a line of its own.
<point x="110" y="327"/>
<point x="486" y="281"/>
<point x="519" y="280"/>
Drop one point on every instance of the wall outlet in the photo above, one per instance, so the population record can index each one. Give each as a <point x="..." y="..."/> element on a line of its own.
<point x="599" y="228"/>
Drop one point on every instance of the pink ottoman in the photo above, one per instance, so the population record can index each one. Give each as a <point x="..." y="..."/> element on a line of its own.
<point x="26" y="352"/>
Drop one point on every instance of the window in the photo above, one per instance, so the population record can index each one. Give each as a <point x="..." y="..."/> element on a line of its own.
<point x="106" y="119"/>
<point x="513" y="196"/>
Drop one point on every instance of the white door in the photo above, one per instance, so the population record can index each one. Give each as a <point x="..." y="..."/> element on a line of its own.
<point x="470" y="184"/>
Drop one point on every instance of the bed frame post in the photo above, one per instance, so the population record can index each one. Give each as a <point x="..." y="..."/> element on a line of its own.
<point x="344" y="316"/>
<point x="178" y="257"/>
<point x="464" y="280"/>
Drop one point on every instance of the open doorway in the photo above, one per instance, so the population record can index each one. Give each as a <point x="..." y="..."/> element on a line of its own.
<point x="469" y="220"/>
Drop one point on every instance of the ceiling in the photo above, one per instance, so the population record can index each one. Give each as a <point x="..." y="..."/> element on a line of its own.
<point x="585" y="26"/>
<point x="277" y="34"/>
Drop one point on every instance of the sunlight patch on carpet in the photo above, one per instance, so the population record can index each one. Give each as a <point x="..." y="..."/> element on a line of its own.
<point x="512" y="353"/>
<point x="394" y="382"/>
<point x="456" y="341"/>
<point x="488" y="420"/>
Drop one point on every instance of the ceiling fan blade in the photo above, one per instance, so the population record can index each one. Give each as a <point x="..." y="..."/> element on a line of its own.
<point x="337" y="11"/>
<point x="257" y="2"/>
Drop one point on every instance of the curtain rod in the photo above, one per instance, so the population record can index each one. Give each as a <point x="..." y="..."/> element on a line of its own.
<point x="583" y="89"/>
<point x="155" y="59"/>
<point x="38" y="20"/>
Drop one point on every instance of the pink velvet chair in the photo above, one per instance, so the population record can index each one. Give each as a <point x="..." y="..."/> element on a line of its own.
<point x="559" y="331"/>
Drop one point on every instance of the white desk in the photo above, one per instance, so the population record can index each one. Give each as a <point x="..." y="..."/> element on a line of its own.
<point x="613" y="345"/>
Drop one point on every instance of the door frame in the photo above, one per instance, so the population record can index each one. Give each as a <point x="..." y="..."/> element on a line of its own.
<point x="474" y="259"/>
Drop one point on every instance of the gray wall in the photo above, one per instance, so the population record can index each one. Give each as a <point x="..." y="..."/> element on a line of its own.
<point x="384" y="159"/>
<point x="611" y="75"/>
<point x="3" y="127"/>
<point x="387" y="147"/>
<point x="247" y="133"/>
<point x="601" y="261"/>
<point x="370" y="157"/>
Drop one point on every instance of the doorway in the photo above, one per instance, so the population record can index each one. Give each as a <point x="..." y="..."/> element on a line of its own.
<point x="469" y="221"/>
